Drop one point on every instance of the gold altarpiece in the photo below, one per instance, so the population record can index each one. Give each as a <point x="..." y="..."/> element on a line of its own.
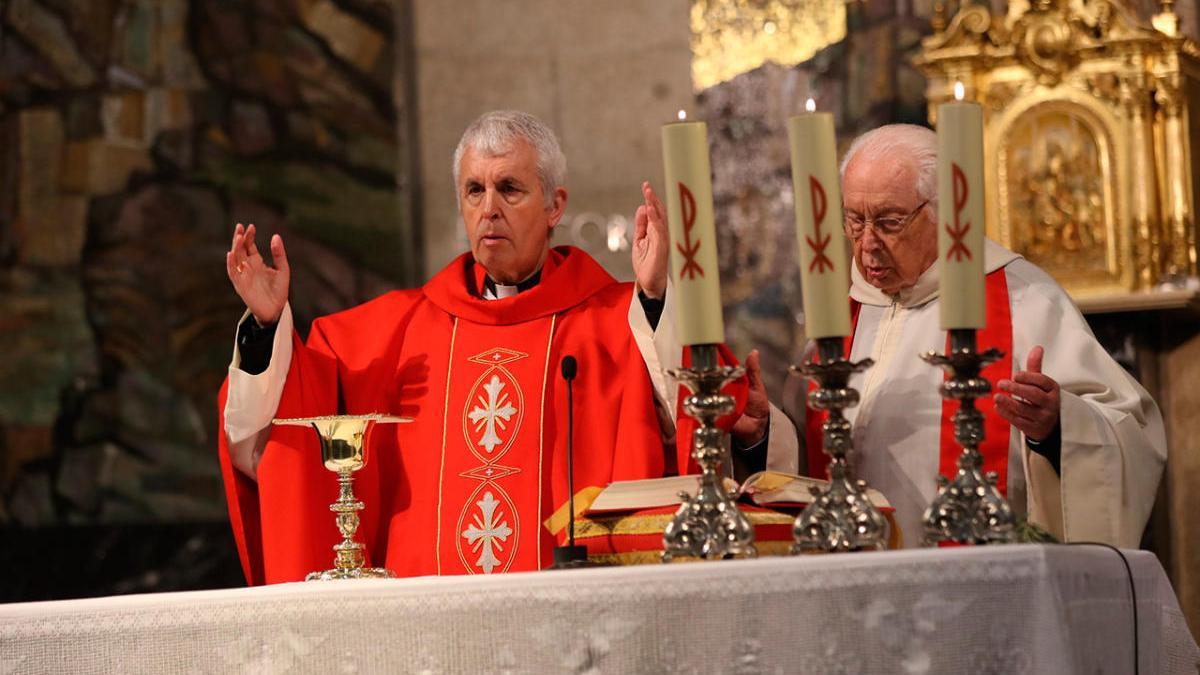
<point x="1086" y="114"/>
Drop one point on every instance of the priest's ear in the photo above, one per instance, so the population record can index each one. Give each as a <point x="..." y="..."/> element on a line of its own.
<point x="555" y="210"/>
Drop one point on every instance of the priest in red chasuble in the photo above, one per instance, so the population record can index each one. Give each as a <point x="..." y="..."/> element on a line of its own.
<point x="1079" y="445"/>
<point x="473" y="357"/>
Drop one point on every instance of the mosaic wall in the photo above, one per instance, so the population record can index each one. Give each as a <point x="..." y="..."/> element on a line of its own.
<point x="133" y="135"/>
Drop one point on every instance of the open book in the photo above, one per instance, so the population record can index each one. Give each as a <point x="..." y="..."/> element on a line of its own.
<point x="765" y="488"/>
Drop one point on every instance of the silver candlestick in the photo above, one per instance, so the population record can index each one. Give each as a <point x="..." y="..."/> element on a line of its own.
<point x="968" y="509"/>
<point x="841" y="517"/>
<point x="709" y="524"/>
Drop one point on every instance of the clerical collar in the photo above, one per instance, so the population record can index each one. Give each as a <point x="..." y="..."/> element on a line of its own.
<point x="495" y="291"/>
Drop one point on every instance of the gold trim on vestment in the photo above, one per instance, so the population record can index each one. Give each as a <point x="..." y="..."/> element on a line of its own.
<point x="442" y="469"/>
<point x="541" y="434"/>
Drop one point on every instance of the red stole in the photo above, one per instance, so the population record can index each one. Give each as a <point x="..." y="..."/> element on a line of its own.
<point x="997" y="333"/>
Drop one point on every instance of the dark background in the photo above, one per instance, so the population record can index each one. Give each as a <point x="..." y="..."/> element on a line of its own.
<point x="133" y="135"/>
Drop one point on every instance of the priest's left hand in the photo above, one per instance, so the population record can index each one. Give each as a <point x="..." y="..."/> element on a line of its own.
<point x="1033" y="400"/>
<point x="750" y="427"/>
<point x="651" y="244"/>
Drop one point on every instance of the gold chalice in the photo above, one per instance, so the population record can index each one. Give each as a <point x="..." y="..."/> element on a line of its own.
<point x="343" y="449"/>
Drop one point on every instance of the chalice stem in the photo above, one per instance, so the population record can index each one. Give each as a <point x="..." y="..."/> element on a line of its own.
<point x="349" y="553"/>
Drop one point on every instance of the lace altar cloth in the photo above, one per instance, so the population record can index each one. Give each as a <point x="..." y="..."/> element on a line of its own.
<point x="1006" y="609"/>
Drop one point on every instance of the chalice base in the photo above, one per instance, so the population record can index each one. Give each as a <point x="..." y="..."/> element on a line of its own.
<point x="356" y="573"/>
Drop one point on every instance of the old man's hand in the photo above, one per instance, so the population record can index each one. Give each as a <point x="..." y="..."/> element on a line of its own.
<point x="1032" y="400"/>
<point x="750" y="427"/>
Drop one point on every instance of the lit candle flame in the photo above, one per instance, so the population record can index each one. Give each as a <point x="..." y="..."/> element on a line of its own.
<point x="810" y="105"/>
<point x="682" y="115"/>
<point x="959" y="91"/>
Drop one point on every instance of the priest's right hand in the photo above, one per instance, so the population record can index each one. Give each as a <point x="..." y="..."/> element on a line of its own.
<point x="263" y="288"/>
<point x="651" y="245"/>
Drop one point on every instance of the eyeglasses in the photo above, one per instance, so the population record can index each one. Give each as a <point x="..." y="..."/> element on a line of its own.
<point x="856" y="225"/>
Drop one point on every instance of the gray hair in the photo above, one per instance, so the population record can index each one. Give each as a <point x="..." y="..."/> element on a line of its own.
<point x="495" y="132"/>
<point x="915" y="143"/>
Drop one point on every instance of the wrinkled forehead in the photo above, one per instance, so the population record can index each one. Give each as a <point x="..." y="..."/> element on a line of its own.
<point x="879" y="181"/>
<point x="515" y="158"/>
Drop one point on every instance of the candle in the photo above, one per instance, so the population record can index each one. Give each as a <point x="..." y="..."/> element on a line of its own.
<point x="960" y="212"/>
<point x="824" y="265"/>
<point x="693" y="235"/>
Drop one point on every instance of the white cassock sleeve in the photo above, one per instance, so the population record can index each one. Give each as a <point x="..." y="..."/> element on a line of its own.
<point x="252" y="400"/>
<point x="1113" y="439"/>
<point x="662" y="350"/>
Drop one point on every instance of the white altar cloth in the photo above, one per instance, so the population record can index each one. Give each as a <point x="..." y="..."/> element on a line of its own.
<point x="1005" y="609"/>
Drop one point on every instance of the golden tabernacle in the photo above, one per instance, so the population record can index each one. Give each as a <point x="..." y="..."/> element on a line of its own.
<point x="1087" y="112"/>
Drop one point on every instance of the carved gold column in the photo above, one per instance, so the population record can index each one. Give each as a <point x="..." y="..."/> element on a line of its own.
<point x="1175" y="180"/>
<point x="1136" y="99"/>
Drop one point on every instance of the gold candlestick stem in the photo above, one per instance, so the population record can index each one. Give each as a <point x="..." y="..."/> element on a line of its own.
<point x="343" y="451"/>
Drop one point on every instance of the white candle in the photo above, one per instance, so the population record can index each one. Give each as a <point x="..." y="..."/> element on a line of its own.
<point x="961" y="212"/>
<point x="693" y="233"/>
<point x="824" y="265"/>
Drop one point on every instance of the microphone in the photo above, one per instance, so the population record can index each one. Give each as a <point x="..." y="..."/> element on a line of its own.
<point x="571" y="555"/>
<point x="569" y="368"/>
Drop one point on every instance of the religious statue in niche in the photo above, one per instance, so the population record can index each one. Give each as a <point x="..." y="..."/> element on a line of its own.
<point x="1055" y="184"/>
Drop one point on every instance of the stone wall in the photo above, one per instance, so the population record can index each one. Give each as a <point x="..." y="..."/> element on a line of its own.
<point x="133" y="135"/>
<point x="604" y="75"/>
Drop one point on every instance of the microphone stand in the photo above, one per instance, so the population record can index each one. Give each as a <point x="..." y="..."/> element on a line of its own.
<point x="571" y="555"/>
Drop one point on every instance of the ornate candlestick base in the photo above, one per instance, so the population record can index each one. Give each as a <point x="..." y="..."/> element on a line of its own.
<point x="343" y="441"/>
<point x="840" y="517"/>
<point x="709" y="524"/>
<point x="970" y="508"/>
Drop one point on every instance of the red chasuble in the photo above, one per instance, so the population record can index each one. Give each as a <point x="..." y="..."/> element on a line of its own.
<point x="997" y="333"/>
<point x="465" y="487"/>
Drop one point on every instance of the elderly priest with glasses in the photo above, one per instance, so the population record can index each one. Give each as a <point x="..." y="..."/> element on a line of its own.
<point x="473" y="356"/>
<point x="1078" y="444"/>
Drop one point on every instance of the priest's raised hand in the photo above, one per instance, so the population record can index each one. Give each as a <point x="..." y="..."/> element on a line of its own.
<point x="651" y="245"/>
<point x="263" y="288"/>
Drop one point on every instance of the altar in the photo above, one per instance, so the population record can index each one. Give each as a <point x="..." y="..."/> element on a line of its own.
<point x="1002" y="609"/>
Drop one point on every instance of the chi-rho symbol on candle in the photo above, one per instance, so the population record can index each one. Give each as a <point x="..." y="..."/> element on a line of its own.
<point x="958" y="248"/>
<point x="688" y="248"/>
<point x="820" y="262"/>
